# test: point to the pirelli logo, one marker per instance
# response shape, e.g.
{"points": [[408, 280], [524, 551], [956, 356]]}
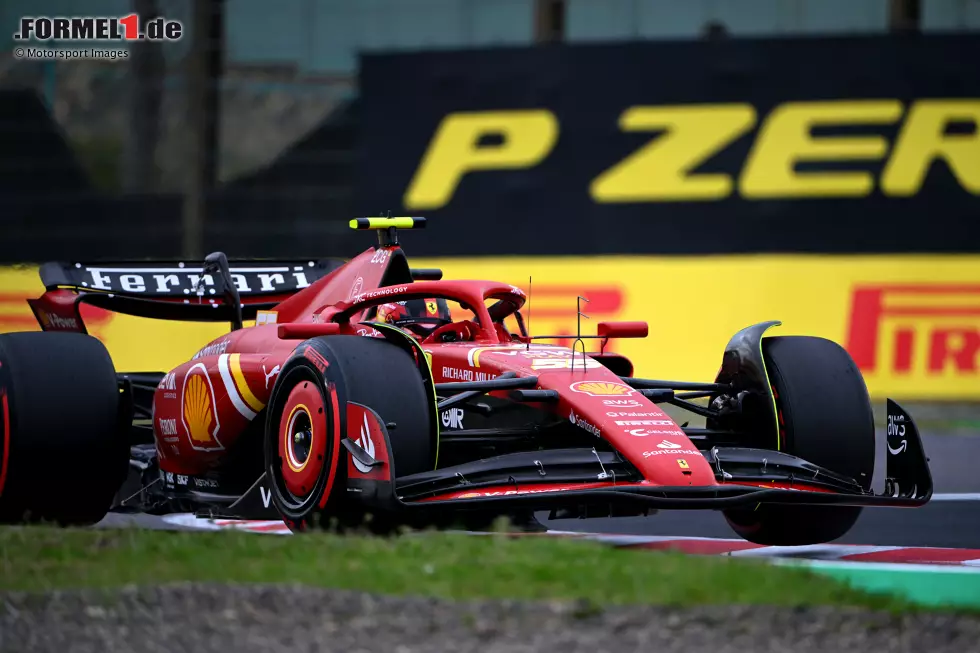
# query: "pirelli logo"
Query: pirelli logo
{"points": [[825, 149], [914, 328]]}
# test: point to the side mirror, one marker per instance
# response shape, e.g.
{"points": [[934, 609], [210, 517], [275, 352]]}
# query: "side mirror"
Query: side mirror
{"points": [[623, 329]]}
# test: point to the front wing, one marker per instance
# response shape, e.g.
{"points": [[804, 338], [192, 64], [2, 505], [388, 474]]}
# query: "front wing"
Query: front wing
{"points": [[746, 477]]}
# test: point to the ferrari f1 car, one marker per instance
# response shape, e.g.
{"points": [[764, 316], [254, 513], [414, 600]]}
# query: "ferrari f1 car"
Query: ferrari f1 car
{"points": [[358, 392]]}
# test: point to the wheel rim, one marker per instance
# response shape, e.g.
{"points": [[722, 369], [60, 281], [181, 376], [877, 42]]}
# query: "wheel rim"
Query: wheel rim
{"points": [[299, 438], [302, 440]]}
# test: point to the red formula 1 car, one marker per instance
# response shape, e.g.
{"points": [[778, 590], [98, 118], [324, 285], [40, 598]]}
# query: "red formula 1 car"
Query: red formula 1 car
{"points": [[368, 387]]}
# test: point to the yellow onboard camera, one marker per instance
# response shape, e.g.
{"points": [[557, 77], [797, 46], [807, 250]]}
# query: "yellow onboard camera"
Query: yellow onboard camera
{"points": [[386, 227]]}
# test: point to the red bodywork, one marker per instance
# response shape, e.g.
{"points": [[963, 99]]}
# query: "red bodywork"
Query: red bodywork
{"points": [[202, 406]]}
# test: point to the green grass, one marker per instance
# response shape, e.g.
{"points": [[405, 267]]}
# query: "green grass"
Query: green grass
{"points": [[437, 564]]}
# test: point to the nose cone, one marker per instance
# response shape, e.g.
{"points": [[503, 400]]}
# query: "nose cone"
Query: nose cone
{"points": [[656, 445], [639, 429]]}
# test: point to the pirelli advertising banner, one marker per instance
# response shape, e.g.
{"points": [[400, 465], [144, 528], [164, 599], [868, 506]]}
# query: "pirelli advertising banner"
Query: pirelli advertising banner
{"points": [[912, 323], [845, 145]]}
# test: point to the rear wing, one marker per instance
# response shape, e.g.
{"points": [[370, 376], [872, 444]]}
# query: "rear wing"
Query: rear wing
{"points": [[169, 290]]}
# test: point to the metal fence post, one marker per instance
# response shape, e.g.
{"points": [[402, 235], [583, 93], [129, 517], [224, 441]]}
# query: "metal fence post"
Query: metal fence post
{"points": [[145, 87], [204, 70]]}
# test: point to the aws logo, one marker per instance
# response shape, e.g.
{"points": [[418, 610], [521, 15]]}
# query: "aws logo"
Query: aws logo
{"points": [[788, 142]]}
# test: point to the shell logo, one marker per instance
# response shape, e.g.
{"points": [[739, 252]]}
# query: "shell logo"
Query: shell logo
{"points": [[602, 388], [199, 416], [470, 495]]}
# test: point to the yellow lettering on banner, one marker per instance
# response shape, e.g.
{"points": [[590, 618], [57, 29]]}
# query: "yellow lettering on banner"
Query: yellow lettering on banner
{"points": [[786, 139], [456, 149], [923, 139], [661, 170]]}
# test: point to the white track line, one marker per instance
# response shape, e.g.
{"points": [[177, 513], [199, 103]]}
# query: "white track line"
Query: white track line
{"points": [[813, 551], [876, 566], [956, 496]]}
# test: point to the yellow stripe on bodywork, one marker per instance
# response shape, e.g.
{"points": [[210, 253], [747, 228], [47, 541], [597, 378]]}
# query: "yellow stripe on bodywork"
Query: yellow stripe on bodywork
{"points": [[475, 356], [235, 364]]}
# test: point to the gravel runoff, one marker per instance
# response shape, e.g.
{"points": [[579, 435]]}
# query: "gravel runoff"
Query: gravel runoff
{"points": [[270, 619]]}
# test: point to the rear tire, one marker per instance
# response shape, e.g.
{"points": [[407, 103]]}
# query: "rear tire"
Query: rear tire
{"points": [[367, 371], [63, 455], [827, 420]]}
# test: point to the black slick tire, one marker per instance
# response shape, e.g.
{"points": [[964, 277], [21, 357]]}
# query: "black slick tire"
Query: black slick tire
{"points": [[63, 453], [827, 419]]}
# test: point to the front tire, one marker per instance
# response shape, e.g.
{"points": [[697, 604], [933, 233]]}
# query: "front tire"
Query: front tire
{"points": [[307, 467], [63, 453], [826, 419]]}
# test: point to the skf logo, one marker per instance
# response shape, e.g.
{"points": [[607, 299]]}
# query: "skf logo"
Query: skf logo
{"points": [[685, 137], [932, 328], [199, 416]]}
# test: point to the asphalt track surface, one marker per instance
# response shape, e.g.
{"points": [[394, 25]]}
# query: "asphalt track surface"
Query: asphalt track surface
{"points": [[947, 521]]}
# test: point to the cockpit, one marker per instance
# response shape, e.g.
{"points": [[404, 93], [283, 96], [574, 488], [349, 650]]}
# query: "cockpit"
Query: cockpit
{"points": [[445, 312]]}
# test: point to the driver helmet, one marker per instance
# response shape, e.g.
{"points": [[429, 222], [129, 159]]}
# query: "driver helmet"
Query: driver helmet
{"points": [[420, 316]]}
